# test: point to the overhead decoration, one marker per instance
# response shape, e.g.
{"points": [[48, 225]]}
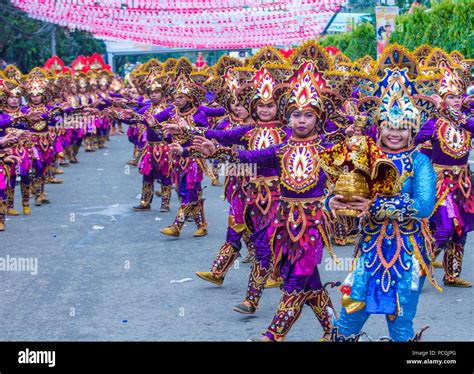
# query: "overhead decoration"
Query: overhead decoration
{"points": [[210, 24]]}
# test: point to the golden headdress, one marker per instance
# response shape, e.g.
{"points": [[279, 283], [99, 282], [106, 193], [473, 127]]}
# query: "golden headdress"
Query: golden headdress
{"points": [[455, 77], [311, 51], [36, 83], [12, 73]]}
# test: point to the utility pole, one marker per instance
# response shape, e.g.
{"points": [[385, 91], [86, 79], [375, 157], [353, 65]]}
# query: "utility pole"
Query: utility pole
{"points": [[53, 41]]}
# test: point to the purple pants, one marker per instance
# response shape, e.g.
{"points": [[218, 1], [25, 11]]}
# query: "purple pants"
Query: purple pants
{"points": [[293, 282], [445, 230]]}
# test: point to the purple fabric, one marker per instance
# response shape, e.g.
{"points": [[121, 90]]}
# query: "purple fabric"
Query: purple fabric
{"points": [[445, 230], [428, 132], [292, 281], [212, 112]]}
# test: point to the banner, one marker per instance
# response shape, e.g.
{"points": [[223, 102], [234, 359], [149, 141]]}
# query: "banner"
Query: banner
{"points": [[210, 24], [385, 21]]}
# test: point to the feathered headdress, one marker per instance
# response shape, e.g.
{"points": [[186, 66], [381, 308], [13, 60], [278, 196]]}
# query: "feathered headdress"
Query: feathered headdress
{"points": [[105, 77], [455, 74], [81, 80], [155, 82]]}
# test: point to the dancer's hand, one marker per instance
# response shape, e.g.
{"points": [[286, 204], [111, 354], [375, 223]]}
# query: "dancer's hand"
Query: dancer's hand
{"points": [[176, 149], [205, 146], [361, 204], [170, 129], [8, 139], [34, 116], [437, 99], [337, 202], [149, 120], [12, 159]]}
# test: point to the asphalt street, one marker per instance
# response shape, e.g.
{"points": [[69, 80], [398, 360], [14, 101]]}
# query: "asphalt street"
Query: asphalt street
{"points": [[105, 273]]}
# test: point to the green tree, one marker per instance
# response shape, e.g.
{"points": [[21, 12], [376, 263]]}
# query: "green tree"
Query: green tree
{"points": [[356, 44], [26, 42], [448, 25]]}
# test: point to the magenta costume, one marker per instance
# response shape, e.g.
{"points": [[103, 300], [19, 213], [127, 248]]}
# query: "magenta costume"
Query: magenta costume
{"points": [[450, 136], [298, 233], [262, 200], [154, 162], [187, 173]]}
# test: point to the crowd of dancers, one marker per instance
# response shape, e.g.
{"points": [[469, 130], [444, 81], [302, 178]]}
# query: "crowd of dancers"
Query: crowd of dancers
{"points": [[315, 149]]}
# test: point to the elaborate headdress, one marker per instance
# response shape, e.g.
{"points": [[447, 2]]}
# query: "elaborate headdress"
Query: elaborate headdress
{"points": [[452, 83], [264, 56], [310, 90], [234, 89], [12, 73], [397, 107], [96, 62], [81, 80], [93, 78], [9, 88], [152, 66], [169, 65], [54, 64], [311, 51], [364, 65], [270, 85], [36, 83], [397, 92], [64, 81], [105, 77], [306, 91], [182, 82], [155, 82], [138, 80], [421, 53], [80, 64], [342, 63], [455, 73], [224, 63]]}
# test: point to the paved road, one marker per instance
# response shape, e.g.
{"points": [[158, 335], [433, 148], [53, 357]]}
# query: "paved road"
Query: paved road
{"points": [[106, 273]]}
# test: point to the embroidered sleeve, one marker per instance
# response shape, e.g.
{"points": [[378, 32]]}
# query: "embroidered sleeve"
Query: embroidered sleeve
{"points": [[424, 185]]}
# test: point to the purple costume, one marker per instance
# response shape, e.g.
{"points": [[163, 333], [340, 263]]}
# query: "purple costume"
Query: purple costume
{"points": [[261, 201], [450, 136], [187, 172], [297, 229]]}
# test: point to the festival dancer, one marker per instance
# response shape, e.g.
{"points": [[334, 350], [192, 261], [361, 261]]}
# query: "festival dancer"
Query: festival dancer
{"points": [[6, 158], [13, 123], [135, 131], [393, 255], [449, 132], [263, 189], [155, 162], [83, 119], [236, 99], [188, 173], [298, 235], [43, 153]]}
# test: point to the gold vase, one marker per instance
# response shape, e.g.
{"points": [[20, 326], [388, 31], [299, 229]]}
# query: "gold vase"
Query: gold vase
{"points": [[348, 186]]}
